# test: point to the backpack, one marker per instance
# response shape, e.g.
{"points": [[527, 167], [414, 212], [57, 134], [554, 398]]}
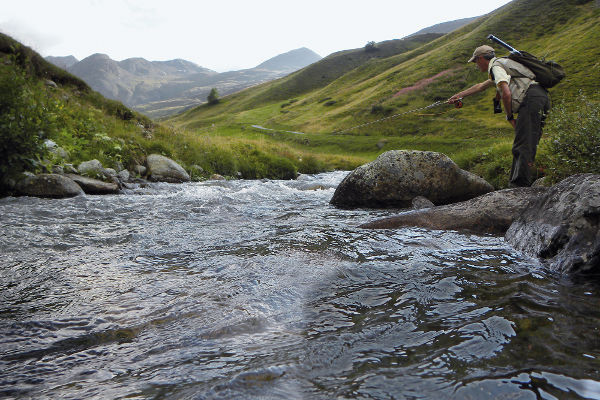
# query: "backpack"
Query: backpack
{"points": [[547, 73]]}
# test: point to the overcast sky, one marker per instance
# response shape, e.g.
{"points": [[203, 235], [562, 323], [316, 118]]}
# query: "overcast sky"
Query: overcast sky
{"points": [[222, 35]]}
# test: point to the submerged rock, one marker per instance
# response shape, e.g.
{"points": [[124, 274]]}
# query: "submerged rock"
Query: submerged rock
{"points": [[94, 186], [491, 213], [163, 169], [563, 226], [396, 177], [48, 185]]}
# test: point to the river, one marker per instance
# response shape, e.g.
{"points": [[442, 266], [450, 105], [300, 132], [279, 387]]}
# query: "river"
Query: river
{"points": [[261, 289]]}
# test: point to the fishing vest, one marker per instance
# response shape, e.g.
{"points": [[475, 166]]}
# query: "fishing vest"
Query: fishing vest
{"points": [[521, 78]]}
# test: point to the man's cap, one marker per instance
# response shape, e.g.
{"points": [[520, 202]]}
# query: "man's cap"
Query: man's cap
{"points": [[480, 51]]}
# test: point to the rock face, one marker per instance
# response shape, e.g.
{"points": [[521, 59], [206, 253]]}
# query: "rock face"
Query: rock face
{"points": [[491, 213], [94, 186], [398, 176], [48, 185], [163, 169], [563, 226]]}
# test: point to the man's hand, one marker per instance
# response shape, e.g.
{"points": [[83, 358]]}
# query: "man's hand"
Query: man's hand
{"points": [[454, 99]]}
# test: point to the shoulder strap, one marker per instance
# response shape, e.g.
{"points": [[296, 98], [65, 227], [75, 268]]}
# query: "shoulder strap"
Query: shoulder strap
{"points": [[495, 63]]}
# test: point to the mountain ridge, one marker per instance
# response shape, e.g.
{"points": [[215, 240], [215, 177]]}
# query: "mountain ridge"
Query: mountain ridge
{"points": [[146, 85]]}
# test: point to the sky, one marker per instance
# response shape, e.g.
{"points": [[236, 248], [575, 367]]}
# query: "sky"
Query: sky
{"points": [[223, 35]]}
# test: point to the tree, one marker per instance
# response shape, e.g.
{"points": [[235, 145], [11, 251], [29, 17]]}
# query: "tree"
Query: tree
{"points": [[371, 46], [213, 96]]}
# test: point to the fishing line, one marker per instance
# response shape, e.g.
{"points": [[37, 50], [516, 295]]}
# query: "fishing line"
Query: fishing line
{"points": [[458, 104]]}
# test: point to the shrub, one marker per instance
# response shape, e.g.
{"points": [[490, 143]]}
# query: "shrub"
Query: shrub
{"points": [[572, 141], [27, 117]]}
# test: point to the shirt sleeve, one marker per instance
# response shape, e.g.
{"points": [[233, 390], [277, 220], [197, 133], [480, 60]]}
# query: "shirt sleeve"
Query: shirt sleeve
{"points": [[500, 75]]}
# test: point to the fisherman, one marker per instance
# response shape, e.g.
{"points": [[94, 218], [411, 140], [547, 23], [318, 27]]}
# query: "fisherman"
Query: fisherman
{"points": [[520, 93]]}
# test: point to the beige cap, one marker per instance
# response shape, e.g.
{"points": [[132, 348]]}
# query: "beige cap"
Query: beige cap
{"points": [[480, 51]]}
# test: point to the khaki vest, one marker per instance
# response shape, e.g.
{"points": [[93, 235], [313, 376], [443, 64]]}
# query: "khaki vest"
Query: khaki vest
{"points": [[521, 78]]}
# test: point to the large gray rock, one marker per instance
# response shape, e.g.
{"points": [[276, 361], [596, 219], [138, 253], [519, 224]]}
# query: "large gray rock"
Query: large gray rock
{"points": [[163, 169], [562, 227], [398, 176], [48, 185], [491, 213], [94, 186]]}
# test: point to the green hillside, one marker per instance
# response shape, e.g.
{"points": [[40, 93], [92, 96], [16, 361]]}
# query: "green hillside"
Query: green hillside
{"points": [[563, 30]]}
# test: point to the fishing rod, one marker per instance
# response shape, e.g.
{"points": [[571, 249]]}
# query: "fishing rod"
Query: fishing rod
{"points": [[457, 104], [504, 44]]}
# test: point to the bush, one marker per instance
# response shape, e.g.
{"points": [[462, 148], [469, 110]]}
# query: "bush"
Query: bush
{"points": [[27, 117], [572, 141]]}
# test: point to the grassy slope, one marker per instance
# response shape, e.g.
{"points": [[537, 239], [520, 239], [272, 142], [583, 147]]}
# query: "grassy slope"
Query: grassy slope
{"points": [[564, 30]]}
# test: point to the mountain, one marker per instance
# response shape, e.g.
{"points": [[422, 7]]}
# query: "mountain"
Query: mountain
{"points": [[63, 62], [445, 27], [290, 61], [135, 80], [159, 88]]}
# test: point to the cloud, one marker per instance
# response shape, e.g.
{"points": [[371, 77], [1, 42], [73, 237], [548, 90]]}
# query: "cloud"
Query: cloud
{"points": [[20, 30]]}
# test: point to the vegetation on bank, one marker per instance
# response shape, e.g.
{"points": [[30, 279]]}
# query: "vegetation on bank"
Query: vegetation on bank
{"points": [[41, 102]]}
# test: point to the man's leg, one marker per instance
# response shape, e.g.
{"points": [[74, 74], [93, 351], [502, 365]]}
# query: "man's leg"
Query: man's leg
{"points": [[527, 135]]}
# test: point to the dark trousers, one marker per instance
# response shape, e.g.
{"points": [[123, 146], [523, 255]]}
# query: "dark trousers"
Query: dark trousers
{"points": [[528, 132]]}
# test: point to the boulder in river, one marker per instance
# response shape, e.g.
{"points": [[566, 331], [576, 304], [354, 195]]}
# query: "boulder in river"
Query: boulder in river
{"points": [[398, 176], [163, 169], [562, 227], [94, 186], [48, 185], [491, 213]]}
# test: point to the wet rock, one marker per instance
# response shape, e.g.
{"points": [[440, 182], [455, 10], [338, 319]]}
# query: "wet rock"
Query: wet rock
{"points": [[163, 169], [48, 185], [94, 186], [562, 227], [491, 213], [396, 177]]}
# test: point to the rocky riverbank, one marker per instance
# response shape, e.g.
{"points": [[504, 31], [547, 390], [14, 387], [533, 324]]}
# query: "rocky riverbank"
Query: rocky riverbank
{"points": [[91, 177], [559, 225]]}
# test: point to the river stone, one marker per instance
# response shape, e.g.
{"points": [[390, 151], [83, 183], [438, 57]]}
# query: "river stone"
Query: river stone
{"points": [[123, 175], [562, 227], [163, 169], [420, 202], [398, 176], [139, 170], [94, 186], [48, 185], [92, 168], [491, 213]]}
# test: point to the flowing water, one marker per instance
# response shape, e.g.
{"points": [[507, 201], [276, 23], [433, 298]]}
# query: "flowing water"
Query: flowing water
{"points": [[261, 289]]}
